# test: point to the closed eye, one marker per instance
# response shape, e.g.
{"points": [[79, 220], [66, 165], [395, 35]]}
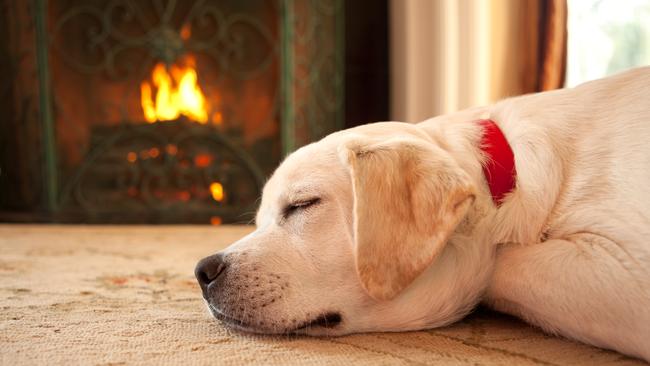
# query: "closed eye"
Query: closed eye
{"points": [[294, 207]]}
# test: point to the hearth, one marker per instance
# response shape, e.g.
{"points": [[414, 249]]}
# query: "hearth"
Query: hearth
{"points": [[160, 111]]}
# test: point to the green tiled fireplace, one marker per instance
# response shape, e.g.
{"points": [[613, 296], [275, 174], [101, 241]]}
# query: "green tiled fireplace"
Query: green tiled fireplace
{"points": [[160, 110]]}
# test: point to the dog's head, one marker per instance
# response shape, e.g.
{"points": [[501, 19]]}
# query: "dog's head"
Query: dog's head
{"points": [[357, 232]]}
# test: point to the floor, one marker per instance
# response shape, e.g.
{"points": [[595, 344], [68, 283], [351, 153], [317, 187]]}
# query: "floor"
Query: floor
{"points": [[126, 295]]}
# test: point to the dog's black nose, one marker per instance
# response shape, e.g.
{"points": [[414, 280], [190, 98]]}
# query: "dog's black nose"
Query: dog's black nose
{"points": [[208, 269]]}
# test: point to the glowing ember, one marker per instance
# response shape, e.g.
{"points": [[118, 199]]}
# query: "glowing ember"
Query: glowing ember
{"points": [[171, 149], [217, 191], [184, 196], [177, 93], [186, 32], [217, 118], [203, 160], [154, 152]]}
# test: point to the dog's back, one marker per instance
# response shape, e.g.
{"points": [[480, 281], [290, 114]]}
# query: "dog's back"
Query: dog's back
{"points": [[597, 137], [583, 165]]}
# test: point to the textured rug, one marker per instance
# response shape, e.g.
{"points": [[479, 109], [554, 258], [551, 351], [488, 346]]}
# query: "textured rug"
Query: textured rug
{"points": [[118, 295]]}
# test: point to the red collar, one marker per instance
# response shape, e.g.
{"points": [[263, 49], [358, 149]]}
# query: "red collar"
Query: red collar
{"points": [[499, 167]]}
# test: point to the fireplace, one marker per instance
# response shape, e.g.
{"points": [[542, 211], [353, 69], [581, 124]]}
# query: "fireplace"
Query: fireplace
{"points": [[160, 111]]}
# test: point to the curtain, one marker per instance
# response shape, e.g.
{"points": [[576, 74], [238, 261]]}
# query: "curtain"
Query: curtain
{"points": [[553, 34], [448, 55]]}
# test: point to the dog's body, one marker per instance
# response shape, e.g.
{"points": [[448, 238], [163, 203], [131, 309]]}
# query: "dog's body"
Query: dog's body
{"points": [[391, 226]]}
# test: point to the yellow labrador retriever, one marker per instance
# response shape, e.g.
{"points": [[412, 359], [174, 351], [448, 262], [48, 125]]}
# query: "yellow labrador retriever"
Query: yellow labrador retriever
{"points": [[538, 206]]}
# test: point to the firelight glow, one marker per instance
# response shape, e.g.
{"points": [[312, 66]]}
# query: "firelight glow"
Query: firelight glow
{"points": [[177, 93], [217, 191]]}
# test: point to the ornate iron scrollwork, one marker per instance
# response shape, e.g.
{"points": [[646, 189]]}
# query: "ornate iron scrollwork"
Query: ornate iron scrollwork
{"points": [[169, 184], [115, 26]]}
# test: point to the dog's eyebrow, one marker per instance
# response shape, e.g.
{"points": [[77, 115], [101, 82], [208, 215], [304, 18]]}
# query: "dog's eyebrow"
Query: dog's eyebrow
{"points": [[300, 193]]}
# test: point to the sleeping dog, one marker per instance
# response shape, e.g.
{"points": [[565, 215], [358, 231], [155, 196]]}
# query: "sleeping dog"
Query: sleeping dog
{"points": [[538, 206]]}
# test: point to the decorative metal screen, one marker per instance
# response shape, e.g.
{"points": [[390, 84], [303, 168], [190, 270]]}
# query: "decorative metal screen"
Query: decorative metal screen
{"points": [[162, 111]]}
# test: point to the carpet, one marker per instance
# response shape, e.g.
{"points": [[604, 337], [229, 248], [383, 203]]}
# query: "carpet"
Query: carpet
{"points": [[125, 295]]}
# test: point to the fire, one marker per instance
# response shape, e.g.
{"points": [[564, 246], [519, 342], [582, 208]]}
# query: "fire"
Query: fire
{"points": [[177, 93], [217, 191]]}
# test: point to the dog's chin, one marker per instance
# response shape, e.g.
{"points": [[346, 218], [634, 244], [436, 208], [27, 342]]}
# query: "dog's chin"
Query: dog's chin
{"points": [[236, 324], [326, 324]]}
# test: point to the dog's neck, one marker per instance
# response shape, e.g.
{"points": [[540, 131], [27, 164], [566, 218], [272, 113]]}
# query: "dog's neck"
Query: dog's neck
{"points": [[514, 220], [499, 165]]}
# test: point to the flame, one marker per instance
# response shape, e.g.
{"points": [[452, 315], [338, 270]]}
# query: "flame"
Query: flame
{"points": [[177, 93], [217, 191]]}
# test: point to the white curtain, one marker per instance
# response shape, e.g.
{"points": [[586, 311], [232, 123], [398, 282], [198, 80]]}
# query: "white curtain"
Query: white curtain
{"points": [[448, 55]]}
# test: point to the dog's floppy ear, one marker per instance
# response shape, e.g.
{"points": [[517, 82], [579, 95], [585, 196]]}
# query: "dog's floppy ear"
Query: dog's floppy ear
{"points": [[409, 196]]}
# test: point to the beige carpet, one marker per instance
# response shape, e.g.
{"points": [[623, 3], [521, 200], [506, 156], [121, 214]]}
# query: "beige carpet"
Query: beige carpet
{"points": [[126, 295]]}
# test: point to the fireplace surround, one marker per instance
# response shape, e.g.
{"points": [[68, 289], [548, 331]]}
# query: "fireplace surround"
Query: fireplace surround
{"points": [[160, 111]]}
